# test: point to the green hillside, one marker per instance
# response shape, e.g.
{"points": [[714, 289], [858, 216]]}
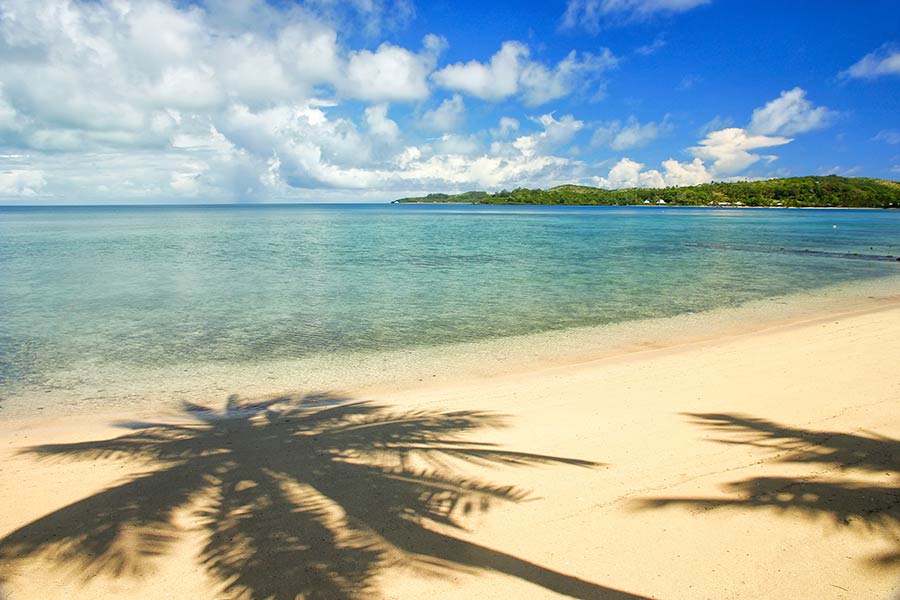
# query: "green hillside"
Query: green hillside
{"points": [[465, 198], [829, 190]]}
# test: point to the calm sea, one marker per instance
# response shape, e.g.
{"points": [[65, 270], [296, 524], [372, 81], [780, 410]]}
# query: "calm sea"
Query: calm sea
{"points": [[97, 304]]}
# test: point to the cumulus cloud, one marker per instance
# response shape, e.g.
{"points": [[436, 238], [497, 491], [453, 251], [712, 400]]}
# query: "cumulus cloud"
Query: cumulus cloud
{"points": [[124, 67], [883, 61], [510, 71], [505, 127], [391, 72], [630, 134], [628, 173], [789, 114], [555, 133], [312, 148], [461, 161], [447, 116], [253, 100], [728, 150], [379, 124], [592, 15], [494, 80], [722, 153], [685, 173]]}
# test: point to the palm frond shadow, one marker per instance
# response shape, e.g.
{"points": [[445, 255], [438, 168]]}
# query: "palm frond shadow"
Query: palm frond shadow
{"points": [[873, 507], [308, 496]]}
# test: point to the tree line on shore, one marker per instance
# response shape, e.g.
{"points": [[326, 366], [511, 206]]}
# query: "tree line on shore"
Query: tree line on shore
{"points": [[823, 191]]}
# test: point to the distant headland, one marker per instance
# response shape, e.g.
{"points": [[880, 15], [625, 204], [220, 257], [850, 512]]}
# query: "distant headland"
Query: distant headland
{"points": [[814, 191]]}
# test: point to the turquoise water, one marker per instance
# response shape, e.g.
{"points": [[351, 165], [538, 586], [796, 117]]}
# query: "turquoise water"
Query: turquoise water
{"points": [[98, 292]]}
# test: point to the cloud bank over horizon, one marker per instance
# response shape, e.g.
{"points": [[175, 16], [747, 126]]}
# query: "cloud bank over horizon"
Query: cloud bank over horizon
{"points": [[152, 100]]}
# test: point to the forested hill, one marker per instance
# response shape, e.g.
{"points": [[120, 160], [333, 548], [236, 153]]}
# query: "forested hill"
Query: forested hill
{"points": [[829, 190]]}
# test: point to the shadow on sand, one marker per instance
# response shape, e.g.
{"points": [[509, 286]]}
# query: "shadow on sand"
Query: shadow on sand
{"points": [[307, 497], [872, 505]]}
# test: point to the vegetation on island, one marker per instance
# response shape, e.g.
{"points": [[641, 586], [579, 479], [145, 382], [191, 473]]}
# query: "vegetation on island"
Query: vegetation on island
{"points": [[830, 190], [463, 198]]}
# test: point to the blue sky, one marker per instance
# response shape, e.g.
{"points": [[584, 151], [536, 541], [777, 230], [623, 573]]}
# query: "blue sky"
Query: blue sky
{"points": [[118, 101]]}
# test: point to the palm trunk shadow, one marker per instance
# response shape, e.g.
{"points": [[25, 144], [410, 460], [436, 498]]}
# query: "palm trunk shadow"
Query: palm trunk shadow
{"points": [[455, 551]]}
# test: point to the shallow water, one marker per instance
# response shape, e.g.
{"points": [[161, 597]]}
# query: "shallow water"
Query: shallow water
{"points": [[98, 303]]}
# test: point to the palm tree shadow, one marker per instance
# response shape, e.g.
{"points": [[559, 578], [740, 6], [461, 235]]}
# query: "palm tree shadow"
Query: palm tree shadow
{"points": [[873, 507], [309, 497]]}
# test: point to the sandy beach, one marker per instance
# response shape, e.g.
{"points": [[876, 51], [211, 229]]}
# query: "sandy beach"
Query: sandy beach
{"points": [[759, 465]]}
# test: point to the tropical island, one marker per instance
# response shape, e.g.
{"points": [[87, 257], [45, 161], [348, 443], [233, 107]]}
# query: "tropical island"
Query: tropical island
{"points": [[813, 191]]}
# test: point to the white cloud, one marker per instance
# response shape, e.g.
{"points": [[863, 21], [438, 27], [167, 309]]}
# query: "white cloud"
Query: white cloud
{"points": [[446, 117], [722, 153], [685, 173], [495, 80], [888, 136], [505, 127], [391, 72], [313, 149], [510, 72], [631, 134], [488, 171], [119, 65], [217, 100], [21, 182], [186, 182], [182, 87], [541, 84], [592, 15], [728, 150], [883, 61], [309, 52], [628, 173], [556, 133], [379, 124], [789, 114]]}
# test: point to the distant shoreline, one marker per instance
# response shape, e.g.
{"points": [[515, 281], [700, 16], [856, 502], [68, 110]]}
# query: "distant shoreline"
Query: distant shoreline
{"points": [[706, 206], [828, 191]]}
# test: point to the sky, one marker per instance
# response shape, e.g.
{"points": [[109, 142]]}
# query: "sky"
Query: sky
{"points": [[217, 101]]}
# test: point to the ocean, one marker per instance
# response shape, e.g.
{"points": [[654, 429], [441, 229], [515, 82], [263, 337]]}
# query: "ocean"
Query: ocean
{"points": [[117, 307]]}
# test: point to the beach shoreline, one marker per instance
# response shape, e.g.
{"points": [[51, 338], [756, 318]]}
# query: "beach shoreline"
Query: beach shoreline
{"points": [[753, 424], [149, 391]]}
